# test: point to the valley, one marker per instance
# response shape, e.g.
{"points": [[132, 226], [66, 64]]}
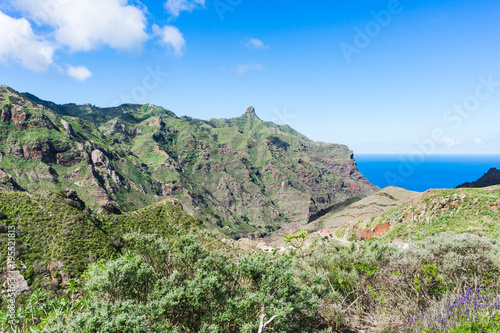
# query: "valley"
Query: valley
{"points": [[131, 219]]}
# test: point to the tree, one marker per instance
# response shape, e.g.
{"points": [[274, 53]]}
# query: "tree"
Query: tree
{"points": [[296, 240]]}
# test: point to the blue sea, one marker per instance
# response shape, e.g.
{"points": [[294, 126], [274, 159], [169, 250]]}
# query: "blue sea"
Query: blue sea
{"points": [[420, 173]]}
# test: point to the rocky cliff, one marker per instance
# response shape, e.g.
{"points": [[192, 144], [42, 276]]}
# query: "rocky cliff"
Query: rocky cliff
{"points": [[492, 177], [243, 173]]}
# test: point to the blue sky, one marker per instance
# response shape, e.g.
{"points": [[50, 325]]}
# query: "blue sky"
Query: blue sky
{"points": [[379, 76]]}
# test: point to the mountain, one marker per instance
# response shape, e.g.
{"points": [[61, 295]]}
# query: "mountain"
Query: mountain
{"points": [[465, 210], [492, 177], [243, 174]]}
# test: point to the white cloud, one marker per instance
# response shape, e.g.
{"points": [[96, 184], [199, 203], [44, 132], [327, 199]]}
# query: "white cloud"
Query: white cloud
{"points": [[449, 141], [478, 141], [84, 25], [254, 43], [176, 7], [242, 69], [80, 73], [19, 43], [171, 38]]}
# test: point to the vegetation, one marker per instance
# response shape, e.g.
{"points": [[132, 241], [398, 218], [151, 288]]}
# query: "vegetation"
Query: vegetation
{"points": [[167, 285], [154, 268], [381, 285], [43, 309], [243, 173], [296, 240], [56, 241], [468, 210], [470, 312], [195, 283]]}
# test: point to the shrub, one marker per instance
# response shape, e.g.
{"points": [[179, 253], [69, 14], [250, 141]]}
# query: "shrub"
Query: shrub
{"points": [[388, 284], [184, 285]]}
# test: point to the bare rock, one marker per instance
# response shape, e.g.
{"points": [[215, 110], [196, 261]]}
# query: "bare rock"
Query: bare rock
{"points": [[73, 200], [6, 114], [18, 116], [110, 208], [99, 160], [68, 128], [19, 282], [44, 172], [250, 112]]}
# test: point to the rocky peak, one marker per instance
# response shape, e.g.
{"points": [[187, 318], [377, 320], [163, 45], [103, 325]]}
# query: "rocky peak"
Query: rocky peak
{"points": [[250, 112]]}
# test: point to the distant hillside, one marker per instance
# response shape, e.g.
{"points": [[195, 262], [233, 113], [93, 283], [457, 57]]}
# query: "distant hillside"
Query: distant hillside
{"points": [[349, 213], [57, 236], [241, 173], [492, 177], [475, 211]]}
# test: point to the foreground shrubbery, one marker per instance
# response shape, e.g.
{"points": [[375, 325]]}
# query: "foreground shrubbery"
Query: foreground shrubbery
{"points": [[194, 284], [44, 309], [182, 286], [470, 312], [381, 285]]}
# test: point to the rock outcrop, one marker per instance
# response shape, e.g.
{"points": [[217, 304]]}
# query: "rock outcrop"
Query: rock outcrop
{"points": [[250, 112], [492, 177], [68, 128]]}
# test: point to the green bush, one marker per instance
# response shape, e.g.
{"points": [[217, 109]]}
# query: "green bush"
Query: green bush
{"points": [[184, 286]]}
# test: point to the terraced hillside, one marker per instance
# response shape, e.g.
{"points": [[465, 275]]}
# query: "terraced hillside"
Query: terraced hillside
{"points": [[242, 173]]}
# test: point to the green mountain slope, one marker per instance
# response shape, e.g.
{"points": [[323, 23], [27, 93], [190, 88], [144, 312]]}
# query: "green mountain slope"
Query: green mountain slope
{"points": [[242, 173], [57, 237]]}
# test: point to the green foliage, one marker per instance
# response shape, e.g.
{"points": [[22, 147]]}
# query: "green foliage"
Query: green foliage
{"points": [[181, 285], [365, 268], [297, 239], [43, 310], [51, 231], [457, 210]]}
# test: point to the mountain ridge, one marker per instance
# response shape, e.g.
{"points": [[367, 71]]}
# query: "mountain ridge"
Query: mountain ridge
{"points": [[241, 173]]}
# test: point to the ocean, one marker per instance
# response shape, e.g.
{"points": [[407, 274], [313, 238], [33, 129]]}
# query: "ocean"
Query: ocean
{"points": [[420, 173]]}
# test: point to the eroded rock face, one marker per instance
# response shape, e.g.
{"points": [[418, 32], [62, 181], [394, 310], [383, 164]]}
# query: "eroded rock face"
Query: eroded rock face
{"points": [[99, 160], [19, 116], [19, 282], [110, 208], [68, 128], [363, 234], [250, 112], [68, 158], [5, 114], [3, 174], [54, 267], [44, 172], [72, 199]]}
